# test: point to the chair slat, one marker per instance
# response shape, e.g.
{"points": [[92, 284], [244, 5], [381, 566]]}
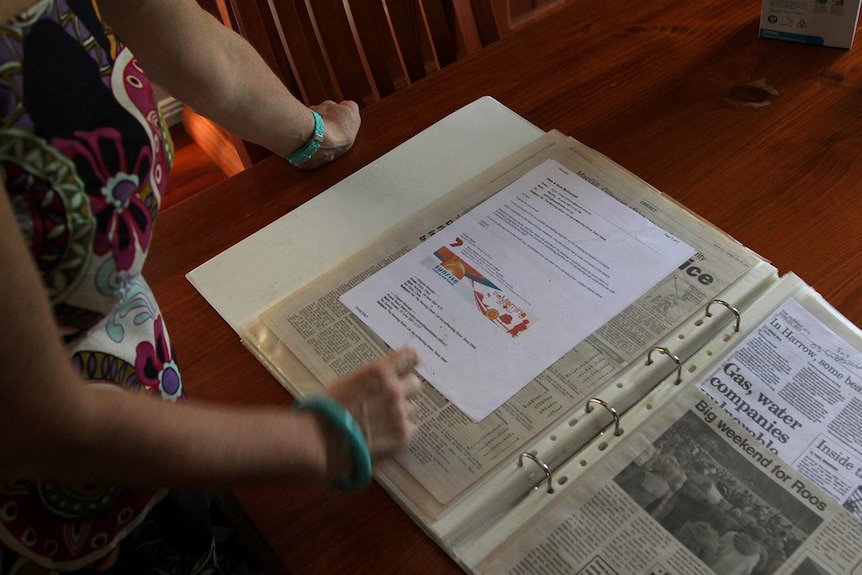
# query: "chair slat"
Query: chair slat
{"points": [[378, 45], [440, 21], [405, 16], [298, 40]]}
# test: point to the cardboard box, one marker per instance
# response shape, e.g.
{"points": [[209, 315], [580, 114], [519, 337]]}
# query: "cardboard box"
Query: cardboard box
{"points": [[818, 22]]}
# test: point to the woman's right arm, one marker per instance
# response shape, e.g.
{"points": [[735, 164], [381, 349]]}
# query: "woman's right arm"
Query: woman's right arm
{"points": [[54, 427]]}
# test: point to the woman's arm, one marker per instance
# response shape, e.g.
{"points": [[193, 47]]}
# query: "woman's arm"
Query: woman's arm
{"points": [[206, 65], [55, 427]]}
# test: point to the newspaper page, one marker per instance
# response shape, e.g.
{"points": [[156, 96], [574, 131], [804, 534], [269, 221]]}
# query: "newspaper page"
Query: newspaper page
{"points": [[689, 492], [450, 452], [796, 386]]}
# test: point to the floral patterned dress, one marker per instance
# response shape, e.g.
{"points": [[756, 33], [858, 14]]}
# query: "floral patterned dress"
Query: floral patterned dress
{"points": [[85, 156]]}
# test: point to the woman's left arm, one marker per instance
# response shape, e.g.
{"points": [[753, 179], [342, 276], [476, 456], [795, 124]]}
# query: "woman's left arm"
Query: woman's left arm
{"points": [[220, 75]]}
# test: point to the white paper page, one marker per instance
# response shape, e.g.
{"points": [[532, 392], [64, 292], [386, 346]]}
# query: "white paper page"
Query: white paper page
{"points": [[507, 289], [797, 387]]}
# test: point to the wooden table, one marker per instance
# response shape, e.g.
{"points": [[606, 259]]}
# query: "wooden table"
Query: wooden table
{"points": [[761, 137]]}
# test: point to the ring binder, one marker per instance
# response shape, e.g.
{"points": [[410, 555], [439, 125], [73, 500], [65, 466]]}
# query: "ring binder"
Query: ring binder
{"points": [[668, 353], [728, 306], [541, 464], [611, 410]]}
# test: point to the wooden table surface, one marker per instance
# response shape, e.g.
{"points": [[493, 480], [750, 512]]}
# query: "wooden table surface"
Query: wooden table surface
{"points": [[761, 137]]}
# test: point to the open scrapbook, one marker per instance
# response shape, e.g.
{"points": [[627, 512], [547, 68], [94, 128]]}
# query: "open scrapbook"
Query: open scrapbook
{"points": [[639, 449]]}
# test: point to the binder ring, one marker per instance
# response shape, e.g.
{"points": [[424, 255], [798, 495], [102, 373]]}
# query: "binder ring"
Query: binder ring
{"points": [[541, 464], [667, 352], [728, 306], [611, 410]]}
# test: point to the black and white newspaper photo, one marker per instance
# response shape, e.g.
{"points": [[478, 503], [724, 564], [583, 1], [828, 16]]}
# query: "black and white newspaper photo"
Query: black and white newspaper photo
{"points": [[690, 491]]}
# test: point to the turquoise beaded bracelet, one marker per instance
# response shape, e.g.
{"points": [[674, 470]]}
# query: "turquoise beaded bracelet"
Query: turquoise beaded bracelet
{"points": [[307, 150], [335, 414]]}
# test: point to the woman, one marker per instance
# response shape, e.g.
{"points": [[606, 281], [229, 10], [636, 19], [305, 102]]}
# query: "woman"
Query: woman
{"points": [[85, 158]]}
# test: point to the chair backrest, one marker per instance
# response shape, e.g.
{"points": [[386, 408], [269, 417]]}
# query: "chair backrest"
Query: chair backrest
{"points": [[361, 50]]}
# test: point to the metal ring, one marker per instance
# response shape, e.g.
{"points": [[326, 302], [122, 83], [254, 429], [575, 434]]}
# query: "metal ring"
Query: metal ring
{"points": [[728, 306], [667, 352], [611, 410], [541, 464]]}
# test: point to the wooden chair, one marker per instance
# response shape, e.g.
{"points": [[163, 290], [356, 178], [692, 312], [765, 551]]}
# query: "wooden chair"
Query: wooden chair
{"points": [[362, 50]]}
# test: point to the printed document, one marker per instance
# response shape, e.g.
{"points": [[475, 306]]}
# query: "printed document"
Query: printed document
{"points": [[514, 284]]}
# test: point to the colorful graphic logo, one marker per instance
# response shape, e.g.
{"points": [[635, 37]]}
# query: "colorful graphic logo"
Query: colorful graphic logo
{"points": [[489, 299]]}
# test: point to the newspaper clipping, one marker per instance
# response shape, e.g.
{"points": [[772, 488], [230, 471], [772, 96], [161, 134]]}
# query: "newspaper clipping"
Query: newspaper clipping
{"points": [[797, 388]]}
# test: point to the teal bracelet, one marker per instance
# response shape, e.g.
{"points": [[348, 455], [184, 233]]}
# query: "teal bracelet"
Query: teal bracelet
{"points": [[332, 412], [307, 150]]}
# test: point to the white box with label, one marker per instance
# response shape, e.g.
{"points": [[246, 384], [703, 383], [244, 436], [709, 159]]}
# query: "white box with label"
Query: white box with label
{"points": [[818, 22]]}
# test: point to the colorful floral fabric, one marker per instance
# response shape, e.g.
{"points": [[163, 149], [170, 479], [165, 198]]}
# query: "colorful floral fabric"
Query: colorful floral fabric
{"points": [[85, 155]]}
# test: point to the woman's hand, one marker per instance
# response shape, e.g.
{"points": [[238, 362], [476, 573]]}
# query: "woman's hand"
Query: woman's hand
{"points": [[379, 397], [341, 124]]}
